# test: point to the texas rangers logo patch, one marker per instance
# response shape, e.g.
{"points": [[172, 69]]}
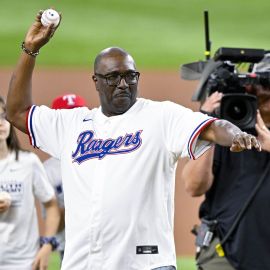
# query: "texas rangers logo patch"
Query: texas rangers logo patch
{"points": [[89, 147]]}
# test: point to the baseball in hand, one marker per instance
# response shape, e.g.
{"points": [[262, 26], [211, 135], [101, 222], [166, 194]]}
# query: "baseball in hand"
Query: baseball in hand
{"points": [[5, 197], [50, 16]]}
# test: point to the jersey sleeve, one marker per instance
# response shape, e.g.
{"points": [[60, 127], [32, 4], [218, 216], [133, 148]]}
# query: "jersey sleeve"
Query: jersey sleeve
{"points": [[46, 129], [43, 190], [182, 128]]}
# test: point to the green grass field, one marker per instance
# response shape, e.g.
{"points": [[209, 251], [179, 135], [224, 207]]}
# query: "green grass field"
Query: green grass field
{"points": [[159, 34], [183, 263]]}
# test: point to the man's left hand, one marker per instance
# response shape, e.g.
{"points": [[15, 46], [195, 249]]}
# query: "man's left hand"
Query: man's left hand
{"points": [[243, 140]]}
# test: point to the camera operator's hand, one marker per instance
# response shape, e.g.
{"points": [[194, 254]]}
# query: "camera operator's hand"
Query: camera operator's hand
{"points": [[263, 133], [212, 102], [243, 140]]}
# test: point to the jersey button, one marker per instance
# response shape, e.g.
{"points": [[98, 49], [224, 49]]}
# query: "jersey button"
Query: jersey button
{"points": [[96, 247]]}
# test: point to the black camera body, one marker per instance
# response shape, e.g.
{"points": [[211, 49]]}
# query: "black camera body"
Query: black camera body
{"points": [[225, 73], [222, 73]]}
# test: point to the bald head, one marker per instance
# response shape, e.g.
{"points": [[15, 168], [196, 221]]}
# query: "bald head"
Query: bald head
{"points": [[113, 53], [116, 80]]}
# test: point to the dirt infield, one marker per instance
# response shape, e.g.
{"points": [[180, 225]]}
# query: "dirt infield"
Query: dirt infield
{"points": [[155, 85]]}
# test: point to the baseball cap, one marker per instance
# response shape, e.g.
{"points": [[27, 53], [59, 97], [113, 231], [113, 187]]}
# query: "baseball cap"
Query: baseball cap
{"points": [[68, 101]]}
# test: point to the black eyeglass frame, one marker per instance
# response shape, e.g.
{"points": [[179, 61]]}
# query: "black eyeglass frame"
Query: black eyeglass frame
{"points": [[122, 75]]}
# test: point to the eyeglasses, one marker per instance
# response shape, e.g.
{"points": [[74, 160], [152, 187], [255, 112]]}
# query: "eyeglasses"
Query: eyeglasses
{"points": [[114, 79]]}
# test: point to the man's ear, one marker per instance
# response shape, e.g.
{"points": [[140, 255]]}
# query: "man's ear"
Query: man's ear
{"points": [[94, 78]]}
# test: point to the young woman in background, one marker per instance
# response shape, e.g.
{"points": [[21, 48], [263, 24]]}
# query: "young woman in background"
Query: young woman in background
{"points": [[22, 178]]}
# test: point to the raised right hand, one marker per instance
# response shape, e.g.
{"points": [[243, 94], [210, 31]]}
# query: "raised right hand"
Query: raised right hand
{"points": [[38, 35]]}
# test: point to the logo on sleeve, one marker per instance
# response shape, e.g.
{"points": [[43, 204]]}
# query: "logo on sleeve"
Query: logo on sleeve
{"points": [[89, 147]]}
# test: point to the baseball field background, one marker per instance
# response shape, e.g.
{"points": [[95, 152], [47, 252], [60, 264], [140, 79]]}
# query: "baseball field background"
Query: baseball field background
{"points": [[161, 35]]}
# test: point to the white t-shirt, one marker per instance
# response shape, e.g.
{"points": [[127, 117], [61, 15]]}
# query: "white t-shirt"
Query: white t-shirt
{"points": [[53, 170], [24, 180], [119, 178]]}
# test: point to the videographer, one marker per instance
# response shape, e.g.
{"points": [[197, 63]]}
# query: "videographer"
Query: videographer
{"points": [[234, 231]]}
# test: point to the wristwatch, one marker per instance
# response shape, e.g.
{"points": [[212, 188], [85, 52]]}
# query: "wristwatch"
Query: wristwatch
{"points": [[49, 240]]}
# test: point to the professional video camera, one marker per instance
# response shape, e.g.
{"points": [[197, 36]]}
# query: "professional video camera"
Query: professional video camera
{"points": [[230, 71]]}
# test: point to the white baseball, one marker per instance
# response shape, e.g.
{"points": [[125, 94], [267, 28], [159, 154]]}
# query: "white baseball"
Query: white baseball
{"points": [[5, 196], [50, 16]]}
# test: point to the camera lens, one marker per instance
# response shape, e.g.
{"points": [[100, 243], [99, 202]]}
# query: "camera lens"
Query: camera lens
{"points": [[237, 109], [240, 109]]}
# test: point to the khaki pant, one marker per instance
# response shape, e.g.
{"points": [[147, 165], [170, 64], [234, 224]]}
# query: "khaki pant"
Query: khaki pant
{"points": [[208, 259]]}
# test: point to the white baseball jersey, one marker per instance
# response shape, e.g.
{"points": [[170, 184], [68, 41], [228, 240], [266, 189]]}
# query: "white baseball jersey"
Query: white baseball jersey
{"points": [[119, 179], [19, 236], [53, 170]]}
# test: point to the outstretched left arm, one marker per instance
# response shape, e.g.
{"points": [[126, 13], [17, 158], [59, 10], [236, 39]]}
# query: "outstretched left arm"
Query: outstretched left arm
{"points": [[224, 133]]}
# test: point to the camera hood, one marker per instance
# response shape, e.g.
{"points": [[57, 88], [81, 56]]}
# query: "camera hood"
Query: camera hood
{"points": [[192, 71], [210, 66]]}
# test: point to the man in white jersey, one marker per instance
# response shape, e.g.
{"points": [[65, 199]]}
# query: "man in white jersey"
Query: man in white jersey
{"points": [[53, 166], [118, 161]]}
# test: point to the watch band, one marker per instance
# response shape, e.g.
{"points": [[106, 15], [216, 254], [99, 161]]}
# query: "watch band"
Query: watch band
{"points": [[49, 240]]}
